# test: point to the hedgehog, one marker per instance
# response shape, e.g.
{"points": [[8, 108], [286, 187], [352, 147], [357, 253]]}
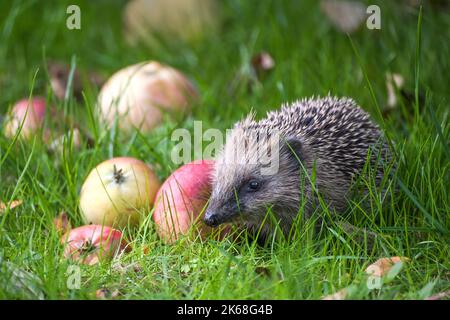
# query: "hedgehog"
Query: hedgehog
{"points": [[282, 163]]}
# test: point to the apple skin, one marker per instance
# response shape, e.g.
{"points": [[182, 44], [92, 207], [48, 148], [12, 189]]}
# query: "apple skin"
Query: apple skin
{"points": [[92, 243], [34, 119], [181, 199], [104, 201], [140, 94], [146, 21]]}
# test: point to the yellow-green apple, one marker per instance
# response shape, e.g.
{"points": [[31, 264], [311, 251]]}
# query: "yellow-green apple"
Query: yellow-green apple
{"points": [[92, 243], [148, 21], [138, 96], [118, 192]]}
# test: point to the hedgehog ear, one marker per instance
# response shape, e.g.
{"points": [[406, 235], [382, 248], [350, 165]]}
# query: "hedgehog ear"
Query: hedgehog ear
{"points": [[294, 148]]}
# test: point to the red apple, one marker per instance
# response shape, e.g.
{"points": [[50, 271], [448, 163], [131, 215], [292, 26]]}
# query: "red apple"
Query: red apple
{"points": [[181, 199], [138, 96], [32, 115], [118, 192], [92, 243]]}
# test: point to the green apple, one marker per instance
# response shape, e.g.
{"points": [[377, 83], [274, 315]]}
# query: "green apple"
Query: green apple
{"points": [[118, 192]]}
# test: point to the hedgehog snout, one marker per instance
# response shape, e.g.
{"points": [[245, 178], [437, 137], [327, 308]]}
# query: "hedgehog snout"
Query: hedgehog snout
{"points": [[211, 219], [215, 218], [215, 215]]}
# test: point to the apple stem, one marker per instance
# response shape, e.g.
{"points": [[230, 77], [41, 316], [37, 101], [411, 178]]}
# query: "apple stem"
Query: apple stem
{"points": [[87, 247], [118, 175]]}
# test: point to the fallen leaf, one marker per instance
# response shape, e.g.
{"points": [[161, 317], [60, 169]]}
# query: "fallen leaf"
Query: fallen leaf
{"points": [[105, 293], [123, 268], [382, 266], [346, 16], [62, 223], [251, 72], [262, 63], [59, 75], [439, 296], [339, 295], [12, 205], [263, 271], [396, 91]]}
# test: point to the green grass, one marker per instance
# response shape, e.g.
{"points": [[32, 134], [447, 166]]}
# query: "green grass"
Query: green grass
{"points": [[311, 58]]}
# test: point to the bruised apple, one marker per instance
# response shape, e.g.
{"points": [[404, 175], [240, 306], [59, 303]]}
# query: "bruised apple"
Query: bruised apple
{"points": [[92, 243], [181, 199], [28, 114], [138, 96], [118, 192]]}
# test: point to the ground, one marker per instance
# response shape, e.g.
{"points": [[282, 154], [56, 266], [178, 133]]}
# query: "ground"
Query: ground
{"points": [[312, 58]]}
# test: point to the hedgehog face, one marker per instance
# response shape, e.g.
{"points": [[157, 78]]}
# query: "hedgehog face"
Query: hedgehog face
{"points": [[246, 185], [239, 192]]}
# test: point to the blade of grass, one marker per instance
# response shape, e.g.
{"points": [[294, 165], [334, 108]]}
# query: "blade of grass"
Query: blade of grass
{"points": [[417, 62]]}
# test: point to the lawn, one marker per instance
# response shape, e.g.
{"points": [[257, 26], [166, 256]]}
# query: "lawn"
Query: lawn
{"points": [[312, 58]]}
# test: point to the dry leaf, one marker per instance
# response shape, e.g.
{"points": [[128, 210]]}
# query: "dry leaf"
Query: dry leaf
{"points": [[347, 16], [394, 83], [263, 271], [62, 223], [262, 63], [251, 72], [123, 268], [339, 295], [439, 296], [105, 293], [59, 75], [382, 266], [12, 205], [146, 249]]}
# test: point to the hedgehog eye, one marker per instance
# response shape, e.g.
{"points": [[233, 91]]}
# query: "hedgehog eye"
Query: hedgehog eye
{"points": [[253, 185]]}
